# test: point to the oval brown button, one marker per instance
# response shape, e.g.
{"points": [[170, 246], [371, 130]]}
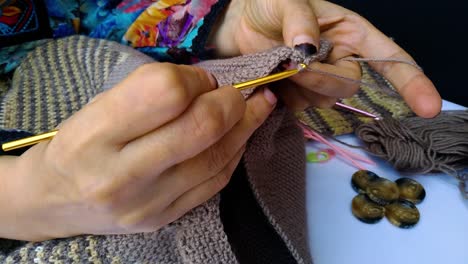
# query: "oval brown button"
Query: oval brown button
{"points": [[361, 179], [366, 210], [411, 190], [382, 191], [402, 213]]}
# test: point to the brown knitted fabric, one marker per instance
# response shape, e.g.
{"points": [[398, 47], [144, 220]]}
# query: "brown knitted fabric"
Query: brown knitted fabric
{"points": [[383, 101], [52, 83], [377, 97], [252, 66], [275, 156], [58, 78]]}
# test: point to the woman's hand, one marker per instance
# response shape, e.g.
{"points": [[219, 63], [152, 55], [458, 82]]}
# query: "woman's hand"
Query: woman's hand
{"points": [[255, 25], [136, 158]]}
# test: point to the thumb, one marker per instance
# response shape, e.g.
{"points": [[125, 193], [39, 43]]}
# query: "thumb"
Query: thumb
{"points": [[300, 26]]}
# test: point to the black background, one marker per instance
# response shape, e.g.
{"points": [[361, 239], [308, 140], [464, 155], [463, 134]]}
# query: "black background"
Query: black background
{"points": [[433, 32]]}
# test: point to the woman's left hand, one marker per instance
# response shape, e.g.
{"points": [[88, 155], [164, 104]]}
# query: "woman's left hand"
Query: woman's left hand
{"points": [[256, 25]]}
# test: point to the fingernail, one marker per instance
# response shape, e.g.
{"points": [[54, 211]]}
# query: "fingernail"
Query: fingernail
{"points": [[306, 48], [269, 96], [304, 44]]}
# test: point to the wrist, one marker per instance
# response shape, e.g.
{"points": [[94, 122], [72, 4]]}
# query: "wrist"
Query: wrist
{"points": [[30, 208], [10, 209]]}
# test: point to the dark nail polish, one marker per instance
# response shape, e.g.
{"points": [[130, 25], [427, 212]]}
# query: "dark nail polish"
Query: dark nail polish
{"points": [[306, 48]]}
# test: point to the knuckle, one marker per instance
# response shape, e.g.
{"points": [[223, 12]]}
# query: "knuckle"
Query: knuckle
{"points": [[354, 17], [177, 94], [197, 72], [358, 29], [256, 119], [144, 220], [354, 89], [320, 82], [146, 70], [180, 176], [102, 201], [138, 221], [218, 157], [209, 121], [60, 163], [106, 196], [66, 158], [222, 179], [169, 75], [352, 72], [167, 84], [327, 102], [357, 74], [386, 68], [349, 91], [173, 86], [78, 171]]}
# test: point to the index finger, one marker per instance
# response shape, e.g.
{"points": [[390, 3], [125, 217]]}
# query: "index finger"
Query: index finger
{"points": [[149, 98], [368, 42], [412, 84]]}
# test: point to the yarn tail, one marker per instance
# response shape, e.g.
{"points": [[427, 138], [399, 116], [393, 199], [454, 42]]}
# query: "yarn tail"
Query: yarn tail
{"points": [[348, 156]]}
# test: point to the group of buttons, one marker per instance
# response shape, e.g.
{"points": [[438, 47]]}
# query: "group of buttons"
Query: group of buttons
{"points": [[379, 197]]}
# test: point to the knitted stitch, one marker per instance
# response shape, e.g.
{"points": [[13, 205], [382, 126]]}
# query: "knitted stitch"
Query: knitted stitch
{"points": [[41, 97], [330, 121], [269, 156], [251, 66], [383, 102], [56, 80], [71, 77]]}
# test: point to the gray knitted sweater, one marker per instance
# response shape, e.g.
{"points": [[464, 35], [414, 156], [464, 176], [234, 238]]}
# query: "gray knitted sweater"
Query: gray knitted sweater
{"points": [[74, 70]]}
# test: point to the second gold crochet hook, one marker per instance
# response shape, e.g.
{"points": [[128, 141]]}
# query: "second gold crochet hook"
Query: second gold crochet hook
{"points": [[24, 142]]}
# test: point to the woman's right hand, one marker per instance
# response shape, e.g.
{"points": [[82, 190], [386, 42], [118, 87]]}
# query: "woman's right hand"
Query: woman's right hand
{"points": [[136, 158]]}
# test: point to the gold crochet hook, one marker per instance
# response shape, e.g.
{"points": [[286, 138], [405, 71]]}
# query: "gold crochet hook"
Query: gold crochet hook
{"points": [[24, 142], [270, 78]]}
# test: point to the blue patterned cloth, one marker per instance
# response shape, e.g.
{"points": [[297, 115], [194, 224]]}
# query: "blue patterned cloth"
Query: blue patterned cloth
{"points": [[143, 24]]}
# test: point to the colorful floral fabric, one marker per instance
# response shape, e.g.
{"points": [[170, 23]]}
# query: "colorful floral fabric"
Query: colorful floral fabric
{"points": [[157, 27], [22, 20], [165, 23], [17, 16]]}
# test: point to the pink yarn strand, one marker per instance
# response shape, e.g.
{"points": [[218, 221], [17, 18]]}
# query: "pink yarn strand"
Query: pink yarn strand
{"points": [[348, 156]]}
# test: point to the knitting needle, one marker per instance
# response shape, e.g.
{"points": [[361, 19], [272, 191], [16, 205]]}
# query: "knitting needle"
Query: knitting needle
{"points": [[24, 142], [359, 111]]}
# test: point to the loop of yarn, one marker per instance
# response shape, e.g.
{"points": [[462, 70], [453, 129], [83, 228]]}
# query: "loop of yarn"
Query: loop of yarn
{"points": [[420, 145]]}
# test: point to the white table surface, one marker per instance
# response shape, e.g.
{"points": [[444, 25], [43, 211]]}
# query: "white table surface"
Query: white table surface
{"points": [[337, 237]]}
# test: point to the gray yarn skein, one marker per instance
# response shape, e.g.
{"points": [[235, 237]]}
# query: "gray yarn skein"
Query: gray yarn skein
{"points": [[420, 145]]}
